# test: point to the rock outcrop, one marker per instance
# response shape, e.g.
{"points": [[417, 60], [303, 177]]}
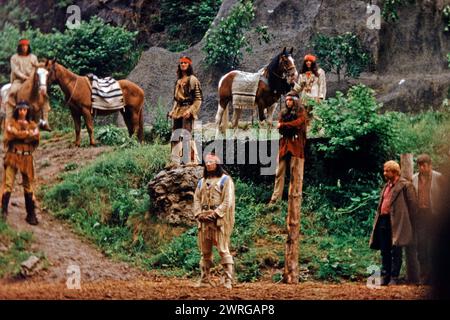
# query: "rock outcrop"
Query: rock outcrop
{"points": [[172, 194]]}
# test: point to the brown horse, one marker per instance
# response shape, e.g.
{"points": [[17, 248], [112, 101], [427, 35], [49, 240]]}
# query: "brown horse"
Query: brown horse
{"points": [[33, 91], [77, 91], [280, 75]]}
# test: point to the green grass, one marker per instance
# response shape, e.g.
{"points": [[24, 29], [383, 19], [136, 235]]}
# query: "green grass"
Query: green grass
{"points": [[103, 199], [14, 249]]}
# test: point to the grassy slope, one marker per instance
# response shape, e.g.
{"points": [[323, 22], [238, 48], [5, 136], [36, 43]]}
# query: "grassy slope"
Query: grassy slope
{"points": [[107, 202], [14, 249]]}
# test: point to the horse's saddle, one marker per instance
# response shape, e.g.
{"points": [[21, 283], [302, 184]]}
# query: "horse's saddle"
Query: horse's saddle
{"points": [[106, 93]]}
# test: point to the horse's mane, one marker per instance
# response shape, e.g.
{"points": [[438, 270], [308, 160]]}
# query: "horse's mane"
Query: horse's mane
{"points": [[275, 83], [34, 95]]}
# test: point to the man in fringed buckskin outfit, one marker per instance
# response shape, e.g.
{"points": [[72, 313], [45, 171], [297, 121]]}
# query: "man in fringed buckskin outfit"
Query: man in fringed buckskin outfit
{"points": [[214, 205]]}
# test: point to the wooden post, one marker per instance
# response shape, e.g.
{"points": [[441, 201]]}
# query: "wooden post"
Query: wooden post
{"points": [[407, 166], [412, 264], [291, 272]]}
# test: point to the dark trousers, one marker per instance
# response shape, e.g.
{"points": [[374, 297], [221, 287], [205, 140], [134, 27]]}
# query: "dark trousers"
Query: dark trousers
{"points": [[424, 238], [391, 256]]}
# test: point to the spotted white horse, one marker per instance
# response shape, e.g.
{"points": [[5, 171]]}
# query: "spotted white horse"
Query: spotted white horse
{"points": [[263, 89]]}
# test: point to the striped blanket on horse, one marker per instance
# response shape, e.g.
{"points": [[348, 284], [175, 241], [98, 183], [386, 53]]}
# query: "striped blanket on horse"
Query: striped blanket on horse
{"points": [[243, 88], [106, 94]]}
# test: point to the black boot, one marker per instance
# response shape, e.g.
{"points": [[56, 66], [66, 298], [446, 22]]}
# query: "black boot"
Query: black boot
{"points": [[29, 205], [5, 202]]}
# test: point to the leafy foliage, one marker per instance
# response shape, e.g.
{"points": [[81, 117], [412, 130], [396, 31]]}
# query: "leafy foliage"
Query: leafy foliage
{"points": [[187, 21], [426, 132], [111, 135], [94, 47], [446, 16], [162, 127], [342, 52], [225, 42], [349, 120], [13, 13], [390, 7]]}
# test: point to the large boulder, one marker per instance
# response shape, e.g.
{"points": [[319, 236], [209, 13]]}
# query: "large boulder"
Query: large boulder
{"points": [[172, 194]]}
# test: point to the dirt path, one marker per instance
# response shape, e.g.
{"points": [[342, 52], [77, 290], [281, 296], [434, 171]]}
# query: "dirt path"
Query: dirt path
{"points": [[169, 288], [54, 238], [102, 278]]}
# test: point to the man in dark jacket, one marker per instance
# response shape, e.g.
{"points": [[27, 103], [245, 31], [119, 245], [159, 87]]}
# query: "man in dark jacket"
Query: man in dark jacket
{"points": [[392, 227]]}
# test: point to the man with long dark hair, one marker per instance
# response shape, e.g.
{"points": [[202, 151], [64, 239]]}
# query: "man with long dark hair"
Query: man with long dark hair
{"points": [[214, 205], [311, 82], [187, 102], [23, 63], [291, 154], [20, 139]]}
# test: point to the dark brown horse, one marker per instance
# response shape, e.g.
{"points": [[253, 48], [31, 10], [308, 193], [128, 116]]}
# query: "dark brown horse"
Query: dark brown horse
{"points": [[77, 91], [280, 74]]}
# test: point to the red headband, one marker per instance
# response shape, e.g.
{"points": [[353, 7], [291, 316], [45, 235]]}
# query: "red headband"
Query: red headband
{"points": [[310, 57], [212, 157], [186, 59], [24, 42]]}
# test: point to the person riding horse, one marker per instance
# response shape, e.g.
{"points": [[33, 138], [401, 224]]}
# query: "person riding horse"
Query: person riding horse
{"points": [[23, 64]]}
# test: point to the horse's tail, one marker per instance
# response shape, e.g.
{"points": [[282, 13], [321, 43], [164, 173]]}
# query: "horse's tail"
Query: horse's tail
{"points": [[141, 123]]}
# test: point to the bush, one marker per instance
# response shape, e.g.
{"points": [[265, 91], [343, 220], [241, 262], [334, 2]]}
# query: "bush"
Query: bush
{"points": [[188, 24], [342, 52], [112, 135], [225, 42], [389, 11], [162, 126], [426, 132], [354, 123]]}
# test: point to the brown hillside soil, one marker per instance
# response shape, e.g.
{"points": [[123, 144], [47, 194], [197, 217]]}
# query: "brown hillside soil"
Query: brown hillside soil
{"points": [[103, 278]]}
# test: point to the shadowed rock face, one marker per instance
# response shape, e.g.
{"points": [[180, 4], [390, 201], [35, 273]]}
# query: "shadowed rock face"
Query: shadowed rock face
{"points": [[172, 194], [412, 49]]}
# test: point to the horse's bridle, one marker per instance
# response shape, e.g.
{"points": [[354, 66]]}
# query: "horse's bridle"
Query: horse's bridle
{"points": [[285, 71]]}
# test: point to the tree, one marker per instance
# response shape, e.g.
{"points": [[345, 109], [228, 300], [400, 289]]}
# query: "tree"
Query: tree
{"points": [[224, 44], [342, 52]]}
